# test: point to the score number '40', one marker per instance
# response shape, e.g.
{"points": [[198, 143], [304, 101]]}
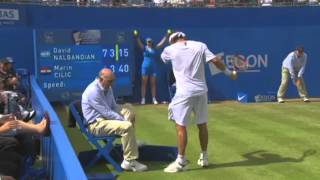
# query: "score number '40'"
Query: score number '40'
{"points": [[122, 68]]}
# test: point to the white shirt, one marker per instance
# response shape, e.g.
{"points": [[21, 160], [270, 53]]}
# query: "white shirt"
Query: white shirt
{"points": [[188, 59], [295, 65]]}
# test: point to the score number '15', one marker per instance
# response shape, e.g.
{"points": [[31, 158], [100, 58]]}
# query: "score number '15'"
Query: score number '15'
{"points": [[115, 52]]}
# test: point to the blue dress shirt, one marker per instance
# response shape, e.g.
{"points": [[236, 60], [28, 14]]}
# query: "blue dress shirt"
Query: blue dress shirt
{"points": [[99, 103], [295, 65]]}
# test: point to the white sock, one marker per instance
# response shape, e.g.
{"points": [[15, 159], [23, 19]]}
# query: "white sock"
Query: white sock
{"points": [[126, 161], [204, 154], [154, 99], [181, 159]]}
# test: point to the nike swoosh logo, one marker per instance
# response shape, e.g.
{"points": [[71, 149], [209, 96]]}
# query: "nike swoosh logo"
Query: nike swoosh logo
{"points": [[240, 98]]}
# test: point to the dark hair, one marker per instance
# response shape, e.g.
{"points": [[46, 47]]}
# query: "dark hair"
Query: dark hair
{"points": [[300, 49]]}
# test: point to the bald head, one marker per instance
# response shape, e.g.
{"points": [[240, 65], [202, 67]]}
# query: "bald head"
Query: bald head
{"points": [[105, 73], [106, 77]]}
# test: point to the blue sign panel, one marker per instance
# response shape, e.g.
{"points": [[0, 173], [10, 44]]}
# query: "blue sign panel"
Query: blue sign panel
{"points": [[12, 16]]}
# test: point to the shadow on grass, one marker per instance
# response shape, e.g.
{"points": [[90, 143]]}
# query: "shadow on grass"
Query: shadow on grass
{"points": [[262, 157]]}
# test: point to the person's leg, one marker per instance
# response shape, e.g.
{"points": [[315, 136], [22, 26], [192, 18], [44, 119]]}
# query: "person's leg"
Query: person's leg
{"points": [[9, 144], [201, 117], [121, 128], [144, 83], [182, 139], [284, 84], [179, 111], [302, 89], [129, 145], [203, 136], [40, 128], [128, 113], [153, 80], [10, 164], [8, 168], [29, 145]]}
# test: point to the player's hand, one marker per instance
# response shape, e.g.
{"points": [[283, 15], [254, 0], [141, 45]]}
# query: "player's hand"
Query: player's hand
{"points": [[233, 75], [135, 33], [169, 32]]}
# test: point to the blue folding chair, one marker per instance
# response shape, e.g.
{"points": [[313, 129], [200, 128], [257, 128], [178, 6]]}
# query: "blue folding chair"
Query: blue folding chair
{"points": [[103, 150]]}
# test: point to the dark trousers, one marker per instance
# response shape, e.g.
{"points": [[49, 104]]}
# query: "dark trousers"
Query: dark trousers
{"points": [[10, 159]]}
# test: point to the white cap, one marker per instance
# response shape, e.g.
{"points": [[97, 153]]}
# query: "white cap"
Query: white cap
{"points": [[176, 35]]}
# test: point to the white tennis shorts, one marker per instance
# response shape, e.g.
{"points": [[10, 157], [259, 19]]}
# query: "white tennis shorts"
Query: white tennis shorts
{"points": [[180, 109]]}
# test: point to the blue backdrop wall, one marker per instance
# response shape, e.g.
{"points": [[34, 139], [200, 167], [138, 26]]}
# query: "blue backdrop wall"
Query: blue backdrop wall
{"points": [[263, 35]]}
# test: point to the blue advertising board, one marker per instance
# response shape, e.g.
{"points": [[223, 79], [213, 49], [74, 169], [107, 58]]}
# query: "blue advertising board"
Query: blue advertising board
{"points": [[12, 16], [68, 60], [261, 39]]}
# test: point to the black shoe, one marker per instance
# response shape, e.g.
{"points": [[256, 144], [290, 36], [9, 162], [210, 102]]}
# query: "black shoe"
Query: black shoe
{"points": [[32, 114], [29, 115]]}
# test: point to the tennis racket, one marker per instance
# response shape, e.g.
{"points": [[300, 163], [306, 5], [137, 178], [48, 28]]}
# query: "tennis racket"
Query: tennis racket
{"points": [[239, 63]]}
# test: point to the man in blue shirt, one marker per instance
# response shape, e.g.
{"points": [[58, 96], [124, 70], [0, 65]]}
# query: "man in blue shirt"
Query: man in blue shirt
{"points": [[104, 117], [294, 66]]}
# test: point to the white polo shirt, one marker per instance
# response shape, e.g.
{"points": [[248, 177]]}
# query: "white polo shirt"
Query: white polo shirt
{"points": [[188, 59]]}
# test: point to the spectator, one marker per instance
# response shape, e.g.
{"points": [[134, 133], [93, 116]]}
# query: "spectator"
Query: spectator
{"points": [[10, 103], [10, 150], [8, 73], [266, 2], [104, 117]]}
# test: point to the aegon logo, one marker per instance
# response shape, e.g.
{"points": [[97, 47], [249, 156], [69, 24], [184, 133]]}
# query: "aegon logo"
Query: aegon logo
{"points": [[255, 62], [9, 14]]}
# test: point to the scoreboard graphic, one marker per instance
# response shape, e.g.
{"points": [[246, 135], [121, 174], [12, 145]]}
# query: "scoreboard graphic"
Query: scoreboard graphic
{"points": [[68, 60]]}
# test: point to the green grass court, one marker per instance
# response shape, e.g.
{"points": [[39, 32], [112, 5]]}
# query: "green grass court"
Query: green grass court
{"points": [[246, 141]]}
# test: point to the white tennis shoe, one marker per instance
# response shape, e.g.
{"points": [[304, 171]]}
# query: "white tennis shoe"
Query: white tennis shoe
{"points": [[305, 99], [133, 165], [280, 100], [154, 100], [203, 160], [175, 167], [143, 101]]}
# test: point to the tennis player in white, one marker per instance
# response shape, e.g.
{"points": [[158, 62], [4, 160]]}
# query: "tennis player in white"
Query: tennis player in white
{"points": [[188, 59]]}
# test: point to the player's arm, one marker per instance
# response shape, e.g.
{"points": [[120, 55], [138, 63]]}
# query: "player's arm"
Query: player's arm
{"points": [[165, 56], [217, 61], [136, 35], [164, 39], [288, 63], [140, 44], [303, 67], [162, 42]]}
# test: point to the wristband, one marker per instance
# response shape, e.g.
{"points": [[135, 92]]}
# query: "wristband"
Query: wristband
{"points": [[227, 72]]}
